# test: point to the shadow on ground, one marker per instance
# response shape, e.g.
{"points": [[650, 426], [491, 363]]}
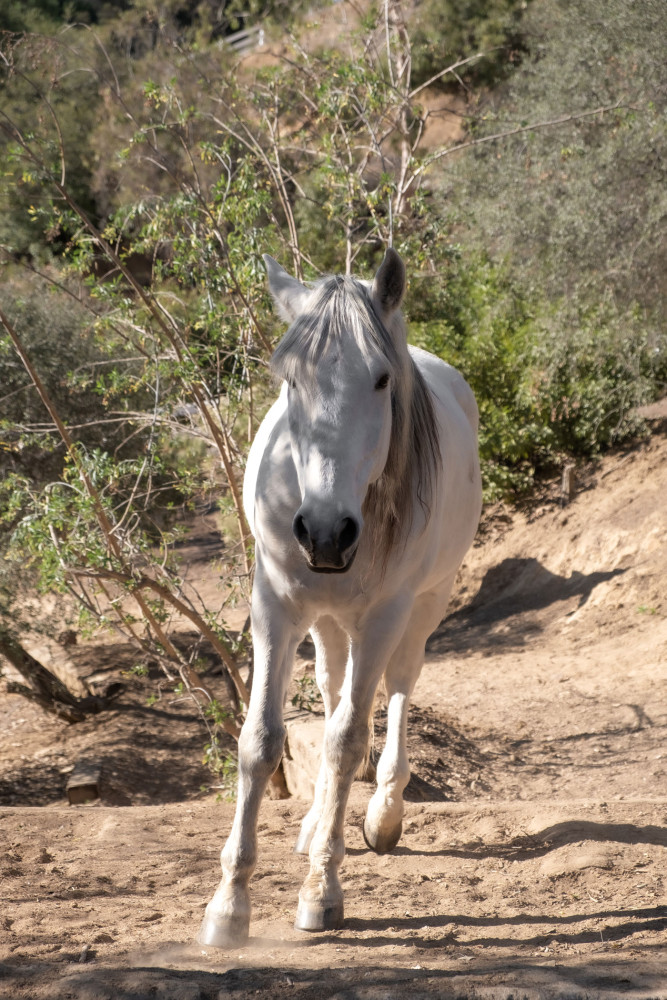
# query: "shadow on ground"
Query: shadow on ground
{"points": [[147, 739], [491, 978], [513, 588]]}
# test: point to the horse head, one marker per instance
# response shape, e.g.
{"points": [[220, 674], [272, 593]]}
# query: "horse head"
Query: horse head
{"points": [[343, 359]]}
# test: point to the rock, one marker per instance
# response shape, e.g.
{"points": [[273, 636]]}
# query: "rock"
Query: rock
{"points": [[305, 733], [83, 784], [303, 752], [575, 858]]}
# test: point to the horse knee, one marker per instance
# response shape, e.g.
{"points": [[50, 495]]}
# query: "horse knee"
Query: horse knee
{"points": [[260, 749], [346, 745]]}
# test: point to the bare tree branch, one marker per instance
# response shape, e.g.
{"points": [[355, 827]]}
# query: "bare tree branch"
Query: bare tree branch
{"points": [[551, 123]]}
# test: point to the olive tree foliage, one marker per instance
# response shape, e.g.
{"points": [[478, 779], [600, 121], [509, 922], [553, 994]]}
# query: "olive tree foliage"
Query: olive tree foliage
{"points": [[581, 207]]}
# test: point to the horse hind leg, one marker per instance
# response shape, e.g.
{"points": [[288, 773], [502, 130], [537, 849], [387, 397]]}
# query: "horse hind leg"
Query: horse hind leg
{"points": [[383, 824], [331, 653]]}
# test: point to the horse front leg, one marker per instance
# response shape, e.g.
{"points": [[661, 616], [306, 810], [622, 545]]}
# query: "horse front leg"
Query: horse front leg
{"points": [[332, 646], [227, 917], [321, 896]]}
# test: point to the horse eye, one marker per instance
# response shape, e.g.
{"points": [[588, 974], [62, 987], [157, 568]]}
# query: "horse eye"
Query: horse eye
{"points": [[291, 383], [382, 382]]}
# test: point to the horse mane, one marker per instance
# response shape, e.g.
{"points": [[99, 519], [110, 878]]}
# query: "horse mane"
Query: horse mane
{"points": [[340, 307]]}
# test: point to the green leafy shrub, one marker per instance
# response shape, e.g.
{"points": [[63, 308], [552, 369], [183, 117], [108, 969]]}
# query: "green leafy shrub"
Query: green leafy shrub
{"points": [[486, 331], [549, 381], [594, 368]]}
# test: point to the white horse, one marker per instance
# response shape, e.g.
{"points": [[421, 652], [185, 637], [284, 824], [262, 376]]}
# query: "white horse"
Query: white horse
{"points": [[363, 493]]}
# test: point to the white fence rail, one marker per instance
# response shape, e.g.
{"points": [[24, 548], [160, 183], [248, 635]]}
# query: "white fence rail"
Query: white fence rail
{"points": [[248, 38]]}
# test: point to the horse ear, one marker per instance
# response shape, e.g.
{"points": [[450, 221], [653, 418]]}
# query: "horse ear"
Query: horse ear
{"points": [[288, 293], [389, 283]]}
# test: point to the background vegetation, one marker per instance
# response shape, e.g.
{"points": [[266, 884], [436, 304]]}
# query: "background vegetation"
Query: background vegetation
{"points": [[147, 167]]}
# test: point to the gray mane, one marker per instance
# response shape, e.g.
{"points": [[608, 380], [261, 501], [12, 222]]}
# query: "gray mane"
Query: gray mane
{"points": [[341, 307]]}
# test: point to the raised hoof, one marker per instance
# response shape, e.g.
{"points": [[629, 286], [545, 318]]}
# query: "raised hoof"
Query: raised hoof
{"points": [[313, 917], [383, 843], [226, 932]]}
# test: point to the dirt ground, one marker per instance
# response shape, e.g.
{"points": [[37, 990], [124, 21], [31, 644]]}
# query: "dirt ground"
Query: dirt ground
{"points": [[533, 859]]}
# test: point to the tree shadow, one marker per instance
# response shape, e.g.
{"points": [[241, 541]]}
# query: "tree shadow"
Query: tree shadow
{"points": [[569, 932], [514, 587], [343, 982], [537, 845], [144, 769], [438, 747], [147, 753]]}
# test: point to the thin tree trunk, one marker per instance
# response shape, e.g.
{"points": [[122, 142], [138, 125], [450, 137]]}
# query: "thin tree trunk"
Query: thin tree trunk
{"points": [[400, 60]]}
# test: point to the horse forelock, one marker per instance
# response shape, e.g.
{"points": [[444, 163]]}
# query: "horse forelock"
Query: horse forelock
{"points": [[341, 307]]}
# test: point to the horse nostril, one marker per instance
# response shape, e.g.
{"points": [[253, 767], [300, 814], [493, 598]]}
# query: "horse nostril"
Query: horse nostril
{"points": [[347, 534], [300, 530]]}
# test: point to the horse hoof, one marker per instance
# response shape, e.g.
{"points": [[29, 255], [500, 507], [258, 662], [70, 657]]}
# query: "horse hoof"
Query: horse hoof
{"points": [[225, 932], [382, 843], [316, 917]]}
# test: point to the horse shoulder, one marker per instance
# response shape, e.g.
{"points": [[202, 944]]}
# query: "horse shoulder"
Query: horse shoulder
{"points": [[256, 454]]}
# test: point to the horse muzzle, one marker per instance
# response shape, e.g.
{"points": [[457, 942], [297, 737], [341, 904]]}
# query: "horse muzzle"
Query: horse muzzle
{"points": [[329, 545]]}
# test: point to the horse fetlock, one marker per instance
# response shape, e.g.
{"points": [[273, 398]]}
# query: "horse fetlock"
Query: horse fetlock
{"points": [[327, 851], [237, 860]]}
